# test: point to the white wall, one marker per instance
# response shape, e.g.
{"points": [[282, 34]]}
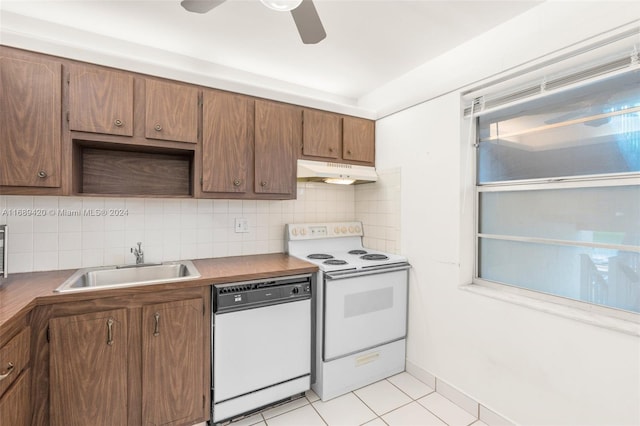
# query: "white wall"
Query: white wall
{"points": [[516, 44], [531, 367]]}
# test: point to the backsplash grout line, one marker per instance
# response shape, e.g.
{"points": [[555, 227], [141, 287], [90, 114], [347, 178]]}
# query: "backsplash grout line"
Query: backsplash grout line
{"points": [[73, 235], [51, 233]]}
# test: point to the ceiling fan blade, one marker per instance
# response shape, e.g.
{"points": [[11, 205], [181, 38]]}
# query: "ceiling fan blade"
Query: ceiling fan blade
{"points": [[308, 22], [200, 6]]}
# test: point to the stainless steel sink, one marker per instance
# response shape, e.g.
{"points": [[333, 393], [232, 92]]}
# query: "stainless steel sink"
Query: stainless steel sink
{"points": [[128, 276]]}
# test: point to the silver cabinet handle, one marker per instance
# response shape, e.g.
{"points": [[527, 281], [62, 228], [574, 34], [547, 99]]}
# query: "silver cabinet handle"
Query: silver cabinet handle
{"points": [[156, 330], [263, 183], [42, 174], [110, 331], [158, 128], [236, 182], [9, 370], [118, 123]]}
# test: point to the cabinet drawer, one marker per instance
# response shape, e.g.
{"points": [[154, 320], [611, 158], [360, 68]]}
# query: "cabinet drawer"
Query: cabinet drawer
{"points": [[14, 357], [15, 404]]}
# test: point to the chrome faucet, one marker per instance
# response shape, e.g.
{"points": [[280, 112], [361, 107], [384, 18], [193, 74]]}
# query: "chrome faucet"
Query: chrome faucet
{"points": [[138, 253]]}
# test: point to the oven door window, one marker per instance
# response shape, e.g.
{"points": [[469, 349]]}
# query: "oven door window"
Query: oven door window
{"points": [[363, 312]]}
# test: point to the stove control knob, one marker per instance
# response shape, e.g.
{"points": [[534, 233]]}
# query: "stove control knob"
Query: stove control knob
{"points": [[343, 229], [358, 229], [351, 229], [294, 231], [303, 231], [336, 229], [295, 290]]}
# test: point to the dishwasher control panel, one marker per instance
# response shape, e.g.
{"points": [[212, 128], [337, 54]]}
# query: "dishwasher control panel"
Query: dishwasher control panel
{"points": [[251, 294]]}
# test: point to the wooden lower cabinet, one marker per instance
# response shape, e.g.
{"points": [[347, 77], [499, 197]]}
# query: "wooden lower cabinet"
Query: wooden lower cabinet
{"points": [[15, 404], [15, 379], [172, 358], [145, 362], [88, 369]]}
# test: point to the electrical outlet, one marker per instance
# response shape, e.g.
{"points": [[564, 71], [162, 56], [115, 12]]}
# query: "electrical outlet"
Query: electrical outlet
{"points": [[242, 225]]}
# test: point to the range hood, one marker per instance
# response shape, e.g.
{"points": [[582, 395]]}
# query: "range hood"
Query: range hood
{"points": [[346, 174]]}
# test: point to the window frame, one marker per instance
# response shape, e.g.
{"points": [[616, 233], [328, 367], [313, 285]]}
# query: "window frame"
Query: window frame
{"points": [[584, 181], [614, 52]]}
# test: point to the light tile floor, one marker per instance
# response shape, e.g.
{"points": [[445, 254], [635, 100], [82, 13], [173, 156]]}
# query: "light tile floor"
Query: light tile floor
{"points": [[401, 400]]}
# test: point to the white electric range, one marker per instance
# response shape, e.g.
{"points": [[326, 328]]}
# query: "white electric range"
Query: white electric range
{"points": [[360, 306]]}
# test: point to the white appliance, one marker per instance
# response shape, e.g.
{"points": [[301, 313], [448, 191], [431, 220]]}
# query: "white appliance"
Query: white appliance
{"points": [[261, 338], [321, 171], [361, 306]]}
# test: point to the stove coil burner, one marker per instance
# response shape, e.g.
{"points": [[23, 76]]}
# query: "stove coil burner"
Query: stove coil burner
{"points": [[374, 257], [319, 256], [358, 252], [335, 262]]}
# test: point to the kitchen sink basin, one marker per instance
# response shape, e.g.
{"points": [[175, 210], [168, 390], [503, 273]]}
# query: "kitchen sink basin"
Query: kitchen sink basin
{"points": [[128, 276]]}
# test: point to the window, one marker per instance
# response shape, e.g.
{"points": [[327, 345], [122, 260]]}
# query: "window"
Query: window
{"points": [[558, 186]]}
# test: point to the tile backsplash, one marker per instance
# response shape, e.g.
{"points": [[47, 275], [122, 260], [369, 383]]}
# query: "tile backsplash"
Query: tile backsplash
{"points": [[378, 207], [50, 233]]}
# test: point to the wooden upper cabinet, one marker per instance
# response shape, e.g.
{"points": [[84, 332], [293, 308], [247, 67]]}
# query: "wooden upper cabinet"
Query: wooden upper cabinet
{"points": [[88, 369], [30, 120], [172, 363], [227, 141], [358, 143], [338, 138], [171, 111], [322, 132], [278, 135], [100, 101]]}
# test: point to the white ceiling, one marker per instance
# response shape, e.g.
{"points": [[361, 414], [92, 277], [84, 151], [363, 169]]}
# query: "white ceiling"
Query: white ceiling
{"points": [[368, 44]]}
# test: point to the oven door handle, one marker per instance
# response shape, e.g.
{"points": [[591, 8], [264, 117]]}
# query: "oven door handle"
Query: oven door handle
{"points": [[341, 275]]}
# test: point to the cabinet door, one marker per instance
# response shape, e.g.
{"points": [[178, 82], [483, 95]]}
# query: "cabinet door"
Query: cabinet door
{"points": [[227, 141], [358, 143], [17, 353], [173, 362], [88, 369], [15, 405], [100, 101], [278, 129], [321, 135], [171, 111], [30, 118]]}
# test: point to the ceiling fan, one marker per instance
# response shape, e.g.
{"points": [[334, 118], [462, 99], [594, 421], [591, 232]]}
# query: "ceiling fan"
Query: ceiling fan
{"points": [[304, 15]]}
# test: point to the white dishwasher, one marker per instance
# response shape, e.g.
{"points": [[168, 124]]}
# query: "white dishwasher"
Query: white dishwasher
{"points": [[261, 343]]}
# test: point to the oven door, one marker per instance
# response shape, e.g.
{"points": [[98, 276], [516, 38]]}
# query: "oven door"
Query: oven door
{"points": [[363, 310]]}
